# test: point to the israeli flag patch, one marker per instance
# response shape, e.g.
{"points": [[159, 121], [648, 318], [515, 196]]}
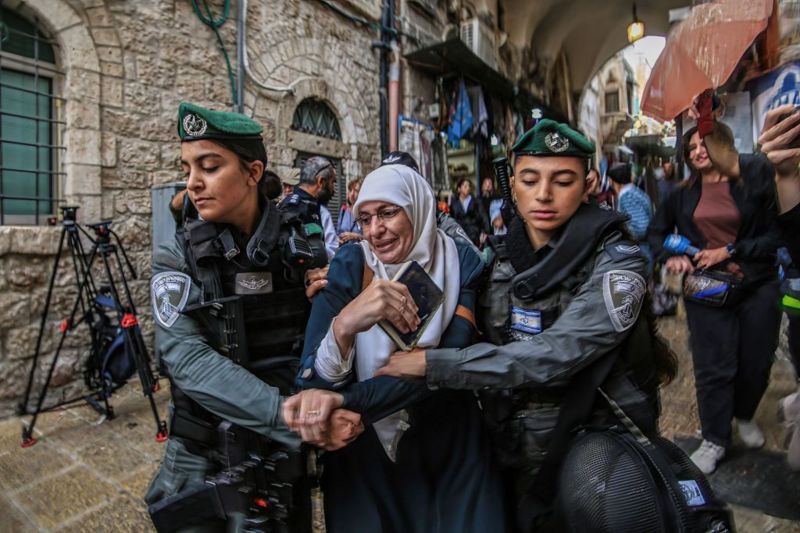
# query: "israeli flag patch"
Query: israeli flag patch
{"points": [[692, 493], [526, 320], [169, 292]]}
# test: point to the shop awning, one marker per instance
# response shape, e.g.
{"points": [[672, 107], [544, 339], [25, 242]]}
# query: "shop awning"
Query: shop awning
{"points": [[454, 57], [649, 144]]}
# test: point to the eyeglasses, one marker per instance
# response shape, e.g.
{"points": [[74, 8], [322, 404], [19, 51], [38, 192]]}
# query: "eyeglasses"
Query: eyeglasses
{"points": [[383, 215]]}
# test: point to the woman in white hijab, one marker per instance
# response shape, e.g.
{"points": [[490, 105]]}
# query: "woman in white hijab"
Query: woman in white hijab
{"points": [[423, 463]]}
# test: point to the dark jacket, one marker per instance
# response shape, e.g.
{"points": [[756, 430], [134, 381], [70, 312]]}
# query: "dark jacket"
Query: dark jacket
{"points": [[473, 220], [380, 396], [443, 478], [759, 235], [790, 225]]}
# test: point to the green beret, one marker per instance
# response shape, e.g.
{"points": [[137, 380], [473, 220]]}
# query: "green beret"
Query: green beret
{"points": [[195, 122], [549, 137]]}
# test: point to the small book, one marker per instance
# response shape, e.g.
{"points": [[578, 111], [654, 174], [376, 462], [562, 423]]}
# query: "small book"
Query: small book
{"points": [[428, 297]]}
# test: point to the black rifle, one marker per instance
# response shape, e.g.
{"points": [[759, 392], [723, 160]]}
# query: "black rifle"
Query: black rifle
{"points": [[500, 165], [262, 487]]}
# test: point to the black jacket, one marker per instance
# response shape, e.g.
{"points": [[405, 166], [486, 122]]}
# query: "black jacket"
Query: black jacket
{"points": [[759, 235], [473, 220], [790, 224]]}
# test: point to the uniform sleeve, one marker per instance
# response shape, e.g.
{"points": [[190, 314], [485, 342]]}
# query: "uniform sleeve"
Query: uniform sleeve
{"points": [[597, 319], [206, 376]]}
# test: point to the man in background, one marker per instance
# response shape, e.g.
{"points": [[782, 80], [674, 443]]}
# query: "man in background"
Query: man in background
{"points": [[633, 202]]}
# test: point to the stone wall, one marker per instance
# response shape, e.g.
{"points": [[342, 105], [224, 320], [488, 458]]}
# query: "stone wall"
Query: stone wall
{"points": [[127, 64]]}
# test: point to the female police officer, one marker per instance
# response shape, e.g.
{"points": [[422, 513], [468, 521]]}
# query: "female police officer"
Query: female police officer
{"points": [[230, 313], [564, 313]]}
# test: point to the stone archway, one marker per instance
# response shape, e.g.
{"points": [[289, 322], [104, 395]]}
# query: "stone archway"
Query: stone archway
{"points": [[318, 68]]}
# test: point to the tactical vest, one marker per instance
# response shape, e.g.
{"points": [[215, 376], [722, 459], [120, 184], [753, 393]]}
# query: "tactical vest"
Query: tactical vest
{"points": [[507, 317], [514, 308], [253, 305]]}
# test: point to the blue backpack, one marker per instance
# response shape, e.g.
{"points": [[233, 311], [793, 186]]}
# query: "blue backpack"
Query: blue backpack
{"points": [[116, 363]]}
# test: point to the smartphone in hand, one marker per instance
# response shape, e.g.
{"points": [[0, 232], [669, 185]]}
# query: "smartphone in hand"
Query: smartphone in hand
{"points": [[796, 141]]}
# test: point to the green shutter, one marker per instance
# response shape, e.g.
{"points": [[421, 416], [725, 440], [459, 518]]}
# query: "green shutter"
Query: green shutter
{"points": [[24, 127]]}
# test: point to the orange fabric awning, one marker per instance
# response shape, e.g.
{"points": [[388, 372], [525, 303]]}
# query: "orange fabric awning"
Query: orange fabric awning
{"points": [[701, 53]]}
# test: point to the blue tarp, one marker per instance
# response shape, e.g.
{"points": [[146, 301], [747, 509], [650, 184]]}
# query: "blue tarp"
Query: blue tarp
{"points": [[461, 117]]}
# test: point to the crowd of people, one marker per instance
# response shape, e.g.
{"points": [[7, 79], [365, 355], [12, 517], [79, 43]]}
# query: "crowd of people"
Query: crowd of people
{"points": [[274, 320]]}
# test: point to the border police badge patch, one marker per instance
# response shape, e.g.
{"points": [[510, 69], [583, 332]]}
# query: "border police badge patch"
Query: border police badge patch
{"points": [[623, 293], [169, 292], [556, 142]]}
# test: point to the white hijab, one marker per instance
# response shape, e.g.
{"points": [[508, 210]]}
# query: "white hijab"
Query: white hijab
{"points": [[432, 249]]}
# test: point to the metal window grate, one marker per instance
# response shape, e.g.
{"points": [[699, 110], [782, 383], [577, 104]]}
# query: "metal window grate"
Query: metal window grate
{"points": [[612, 102], [31, 132], [313, 116]]}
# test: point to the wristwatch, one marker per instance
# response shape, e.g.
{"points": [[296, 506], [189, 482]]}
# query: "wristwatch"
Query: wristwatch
{"points": [[731, 249]]}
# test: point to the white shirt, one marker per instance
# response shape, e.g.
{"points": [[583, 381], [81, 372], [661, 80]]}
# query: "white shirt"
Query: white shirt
{"points": [[331, 239]]}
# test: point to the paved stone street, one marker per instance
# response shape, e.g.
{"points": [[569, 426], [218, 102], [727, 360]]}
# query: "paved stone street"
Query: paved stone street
{"points": [[86, 477]]}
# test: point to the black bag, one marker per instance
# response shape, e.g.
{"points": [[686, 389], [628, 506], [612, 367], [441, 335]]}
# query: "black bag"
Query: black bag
{"points": [[712, 288], [618, 480], [118, 365]]}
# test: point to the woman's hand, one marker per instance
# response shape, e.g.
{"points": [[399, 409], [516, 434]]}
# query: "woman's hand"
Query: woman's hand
{"points": [[382, 300], [779, 138], [679, 264], [316, 280], [405, 365], [348, 236], [345, 427], [709, 258], [308, 413]]}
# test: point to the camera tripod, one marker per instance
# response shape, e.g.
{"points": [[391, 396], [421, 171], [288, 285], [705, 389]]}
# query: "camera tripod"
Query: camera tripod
{"points": [[108, 337]]}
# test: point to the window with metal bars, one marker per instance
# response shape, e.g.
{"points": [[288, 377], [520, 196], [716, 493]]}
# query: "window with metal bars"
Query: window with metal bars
{"points": [[31, 150], [612, 101], [313, 116]]}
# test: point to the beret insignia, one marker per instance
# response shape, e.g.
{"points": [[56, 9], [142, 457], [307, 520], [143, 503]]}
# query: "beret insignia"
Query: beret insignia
{"points": [[194, 124], [555, 142]]}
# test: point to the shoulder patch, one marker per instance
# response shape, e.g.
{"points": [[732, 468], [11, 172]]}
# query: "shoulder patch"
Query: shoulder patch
{"points": [[623, 293], [622, 249], [169, 292]]}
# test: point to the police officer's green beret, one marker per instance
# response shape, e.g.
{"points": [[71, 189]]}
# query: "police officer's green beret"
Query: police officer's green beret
{"points": [[549, 137], [195, 122]]}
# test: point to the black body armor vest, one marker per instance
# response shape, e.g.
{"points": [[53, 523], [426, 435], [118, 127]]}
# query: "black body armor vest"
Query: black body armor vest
{"points": [[254, 305], [518, 304]]}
